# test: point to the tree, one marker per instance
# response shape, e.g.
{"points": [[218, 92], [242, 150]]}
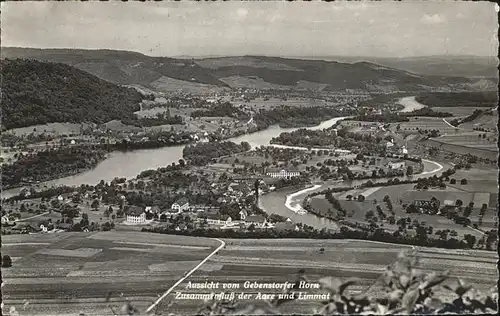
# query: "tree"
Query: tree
{"points": [[421, 233], [409, 170], [411, 208], [275, 218], [369, 214], [453, 181], [84, 222], [95, 204], [6, 261], [459, 203], [463, 181], [361, 198], [471, 240]]}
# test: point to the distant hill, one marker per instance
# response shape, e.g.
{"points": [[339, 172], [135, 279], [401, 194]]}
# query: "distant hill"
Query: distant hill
{"points": [[120, 67], [260, 72], [35, 92], [463, 66], [459, 99]]}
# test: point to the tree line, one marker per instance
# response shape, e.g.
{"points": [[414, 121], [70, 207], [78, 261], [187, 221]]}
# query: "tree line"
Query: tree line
{"points": [[203, 153]]}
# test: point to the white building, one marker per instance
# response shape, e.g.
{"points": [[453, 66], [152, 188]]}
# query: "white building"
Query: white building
{"points": [[243, 214], [396, 165], [258, 221], [283, 174], [135, 215], [181, 205], [218, 219]]}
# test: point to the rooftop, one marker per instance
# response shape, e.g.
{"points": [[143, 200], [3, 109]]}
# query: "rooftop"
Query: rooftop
{"points": [[255, 218], [182, 201], [134, 210]]}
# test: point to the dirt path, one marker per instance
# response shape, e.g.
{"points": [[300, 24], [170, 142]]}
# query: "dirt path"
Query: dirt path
{"points": [[35, 216], [222, 244]]}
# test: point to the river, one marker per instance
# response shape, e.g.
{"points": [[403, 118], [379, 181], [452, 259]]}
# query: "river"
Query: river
{"points": [[410, 104], [287, 202], [130, 164]]}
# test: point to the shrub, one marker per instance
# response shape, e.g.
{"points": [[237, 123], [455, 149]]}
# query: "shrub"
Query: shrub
{"points": [[6, 261], [407, 291]]}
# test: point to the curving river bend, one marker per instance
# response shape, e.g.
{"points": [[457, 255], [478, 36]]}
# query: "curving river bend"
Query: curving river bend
{"points": [[130, 164]]}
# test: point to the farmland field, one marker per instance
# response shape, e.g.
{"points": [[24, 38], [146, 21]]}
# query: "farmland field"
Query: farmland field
{"points": [[457, 111], [260, 103], [470, 139], [141, 266], [215, 63], [356, 211], [72, 272], [166, 84], [487, 153], [50, 128], [267, 261], [428, 123], [479, 179]]}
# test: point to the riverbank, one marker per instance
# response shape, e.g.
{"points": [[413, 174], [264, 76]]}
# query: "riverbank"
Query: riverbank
{"points": [[43, 167], [298, 208], [128, 164]]}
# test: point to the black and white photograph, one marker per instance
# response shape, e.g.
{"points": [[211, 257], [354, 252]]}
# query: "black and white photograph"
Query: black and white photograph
{"points": [[249, 158]]}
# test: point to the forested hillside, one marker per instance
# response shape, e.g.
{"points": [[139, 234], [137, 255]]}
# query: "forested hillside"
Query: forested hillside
{"points": [[124, 67], [454, 99], [36, 92]]}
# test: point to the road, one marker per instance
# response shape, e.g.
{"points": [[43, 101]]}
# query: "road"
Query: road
{"points": [[150, 308], [444, 120], [35, 216]]}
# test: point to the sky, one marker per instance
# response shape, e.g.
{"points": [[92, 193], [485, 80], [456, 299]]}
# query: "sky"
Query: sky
{"points": [[272, 28]]}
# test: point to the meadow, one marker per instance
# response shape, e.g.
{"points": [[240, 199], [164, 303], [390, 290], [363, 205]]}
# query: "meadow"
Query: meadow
{"points": [[267, 261], [457, 111], [485, 153], [356, 211], [74, 272], [427, 123], [70, 272]]}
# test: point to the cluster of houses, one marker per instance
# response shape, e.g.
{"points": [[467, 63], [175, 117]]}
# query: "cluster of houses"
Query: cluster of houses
{"points": [[392, 147], [208, 215]]}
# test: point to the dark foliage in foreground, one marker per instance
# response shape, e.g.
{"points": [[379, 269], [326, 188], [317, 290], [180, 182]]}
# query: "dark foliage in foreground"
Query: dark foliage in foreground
{"points": [[405, 290]]}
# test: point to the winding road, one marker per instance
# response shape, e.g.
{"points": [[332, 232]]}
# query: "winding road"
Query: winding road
{"points": [[222, 244]]}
